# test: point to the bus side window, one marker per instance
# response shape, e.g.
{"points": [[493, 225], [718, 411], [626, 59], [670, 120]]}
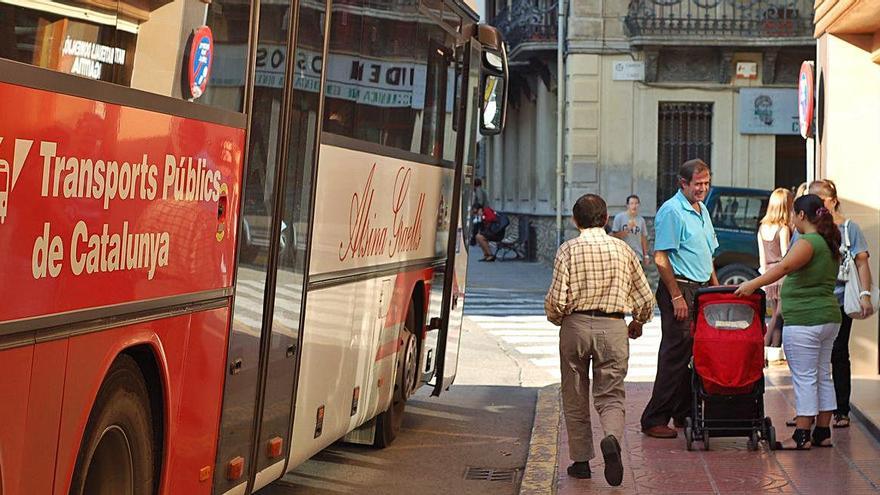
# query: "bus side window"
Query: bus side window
{"points": [[171, 61], [143, 45], [391, 78], [68, 43]]}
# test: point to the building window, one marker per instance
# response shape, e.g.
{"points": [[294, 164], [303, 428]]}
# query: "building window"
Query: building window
{"points": [[684, 132]]}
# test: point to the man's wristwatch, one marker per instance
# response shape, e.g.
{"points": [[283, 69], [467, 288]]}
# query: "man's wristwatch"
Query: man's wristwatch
{"points": [[865, 293]]}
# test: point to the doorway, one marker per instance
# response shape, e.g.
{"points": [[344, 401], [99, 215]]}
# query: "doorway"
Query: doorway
{"points": [[791, 161]]}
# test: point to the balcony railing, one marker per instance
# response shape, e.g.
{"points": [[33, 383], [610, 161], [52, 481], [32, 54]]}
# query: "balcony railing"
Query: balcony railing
{"points": [[740, 19], [525, 21]]}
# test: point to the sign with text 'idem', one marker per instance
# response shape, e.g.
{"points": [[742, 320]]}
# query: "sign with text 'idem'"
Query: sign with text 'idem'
{"points": [[103, 204]]}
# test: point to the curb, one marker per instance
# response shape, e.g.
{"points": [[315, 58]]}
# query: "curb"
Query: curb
{"points": [[539, 476], [864, 419]]}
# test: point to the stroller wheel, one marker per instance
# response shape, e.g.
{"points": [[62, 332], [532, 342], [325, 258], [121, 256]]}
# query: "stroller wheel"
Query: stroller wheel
{"points": [[705, 439], [753, 441], [771, 438], [689, 437]]}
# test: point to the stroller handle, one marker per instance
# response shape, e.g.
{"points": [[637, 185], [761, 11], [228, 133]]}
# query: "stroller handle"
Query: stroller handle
{"points": [[724, 289]]}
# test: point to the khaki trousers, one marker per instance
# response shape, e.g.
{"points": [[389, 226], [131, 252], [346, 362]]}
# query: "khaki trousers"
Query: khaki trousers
{"points": [[602, 343]]}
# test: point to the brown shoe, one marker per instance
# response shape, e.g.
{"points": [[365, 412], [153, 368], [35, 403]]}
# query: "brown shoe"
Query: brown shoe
{"points": [[660, 431]]}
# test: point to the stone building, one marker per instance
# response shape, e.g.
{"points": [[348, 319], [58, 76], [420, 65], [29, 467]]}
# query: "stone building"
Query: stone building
{"points": [[648, 84]]}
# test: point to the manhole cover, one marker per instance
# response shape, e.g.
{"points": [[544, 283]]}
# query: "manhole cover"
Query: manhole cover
{"points": [[491, 474]]}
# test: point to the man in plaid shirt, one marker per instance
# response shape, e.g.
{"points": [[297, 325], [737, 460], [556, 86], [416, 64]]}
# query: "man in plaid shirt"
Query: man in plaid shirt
{"points": [[596, 279]]}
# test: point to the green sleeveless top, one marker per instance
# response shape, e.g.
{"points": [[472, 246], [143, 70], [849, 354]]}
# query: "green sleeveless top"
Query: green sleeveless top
{"points": [[808, 294]]}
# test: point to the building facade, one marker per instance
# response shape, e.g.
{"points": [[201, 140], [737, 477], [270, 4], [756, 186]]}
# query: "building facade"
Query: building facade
{"points": [[847, 130], [648, 85]]}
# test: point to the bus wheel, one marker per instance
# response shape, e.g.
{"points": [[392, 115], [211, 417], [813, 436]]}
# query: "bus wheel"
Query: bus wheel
{"points": [[116, 456], [388, 423]]}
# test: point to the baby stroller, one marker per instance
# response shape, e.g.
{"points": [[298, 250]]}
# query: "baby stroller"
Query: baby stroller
{"points": [[728, 368]]}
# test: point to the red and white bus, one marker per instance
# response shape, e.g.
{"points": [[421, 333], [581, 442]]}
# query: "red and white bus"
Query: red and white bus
{"points": [[231, 231]]}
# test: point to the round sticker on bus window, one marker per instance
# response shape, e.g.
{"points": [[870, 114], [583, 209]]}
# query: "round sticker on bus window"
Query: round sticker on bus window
{"points": [[198, 67]]}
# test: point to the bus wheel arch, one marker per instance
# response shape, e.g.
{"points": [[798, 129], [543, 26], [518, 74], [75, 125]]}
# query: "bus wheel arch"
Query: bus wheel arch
{"points": [[125, 422], [389, 422]]}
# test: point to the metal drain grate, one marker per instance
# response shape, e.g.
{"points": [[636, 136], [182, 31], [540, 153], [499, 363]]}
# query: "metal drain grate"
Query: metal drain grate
{"points": [[505, 475]]}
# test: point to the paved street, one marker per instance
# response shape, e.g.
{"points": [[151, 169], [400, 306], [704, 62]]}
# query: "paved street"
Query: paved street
{"points": [[516, 321]]}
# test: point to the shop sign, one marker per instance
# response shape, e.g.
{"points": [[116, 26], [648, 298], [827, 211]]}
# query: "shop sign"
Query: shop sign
{"points": [[768, 111], [200, 56], [806, 99]]}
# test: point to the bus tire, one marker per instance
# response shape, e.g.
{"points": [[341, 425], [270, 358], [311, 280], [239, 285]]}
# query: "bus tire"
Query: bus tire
{"points": [[117, 454], [389, 423]]}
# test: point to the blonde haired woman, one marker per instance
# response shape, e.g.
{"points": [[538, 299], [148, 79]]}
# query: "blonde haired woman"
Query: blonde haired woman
{"points": [[774, 237], [858, 247]]}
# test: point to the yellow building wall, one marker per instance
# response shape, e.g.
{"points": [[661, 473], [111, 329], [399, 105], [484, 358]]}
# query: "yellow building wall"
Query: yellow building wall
{"points": [[616, 123], [848, 156]]}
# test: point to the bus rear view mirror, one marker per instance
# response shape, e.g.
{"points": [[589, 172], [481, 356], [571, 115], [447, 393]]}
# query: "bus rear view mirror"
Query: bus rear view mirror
{"points": [[494, 79], [493, 61], [493, 92]]}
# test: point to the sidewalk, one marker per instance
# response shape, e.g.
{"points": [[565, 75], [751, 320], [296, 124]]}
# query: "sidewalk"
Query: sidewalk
{"points": [[658, 466], [654, 466], [513, 275]]}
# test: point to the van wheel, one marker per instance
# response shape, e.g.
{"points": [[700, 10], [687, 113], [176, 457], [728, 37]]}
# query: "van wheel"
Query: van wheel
{"points": [[389, 423], [117, 454], [735, 274]]}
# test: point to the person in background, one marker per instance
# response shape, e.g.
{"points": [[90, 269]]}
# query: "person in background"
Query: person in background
{"points": [[801, 190], [774, 235], [812, 319], [492, 228], [479, 200], [683, 246], [631, 227], [596, 278], [840, 364]]}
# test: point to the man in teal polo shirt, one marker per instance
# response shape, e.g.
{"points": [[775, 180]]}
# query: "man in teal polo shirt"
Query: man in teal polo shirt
{"points": [[683, 247]]}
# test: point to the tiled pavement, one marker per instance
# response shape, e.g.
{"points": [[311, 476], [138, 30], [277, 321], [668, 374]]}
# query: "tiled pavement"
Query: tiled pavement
{"points": [[655, 466]]}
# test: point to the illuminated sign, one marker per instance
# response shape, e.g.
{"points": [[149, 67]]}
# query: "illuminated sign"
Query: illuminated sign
{"points": [[86, 58]]}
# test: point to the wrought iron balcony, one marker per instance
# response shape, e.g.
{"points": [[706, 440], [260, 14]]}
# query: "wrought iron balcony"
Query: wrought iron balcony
{"points": [[722, 20], [528, 23]]}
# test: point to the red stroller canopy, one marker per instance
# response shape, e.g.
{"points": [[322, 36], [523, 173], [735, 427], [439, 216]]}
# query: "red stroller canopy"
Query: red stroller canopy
{"points": [[729, 339]]}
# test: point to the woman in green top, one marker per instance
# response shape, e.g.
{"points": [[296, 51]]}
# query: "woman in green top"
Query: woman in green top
{"points": [[812, 318]]}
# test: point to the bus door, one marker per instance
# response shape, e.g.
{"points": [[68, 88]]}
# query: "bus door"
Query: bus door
{"points": [[456, 268], [482, 106], [263, 351]]}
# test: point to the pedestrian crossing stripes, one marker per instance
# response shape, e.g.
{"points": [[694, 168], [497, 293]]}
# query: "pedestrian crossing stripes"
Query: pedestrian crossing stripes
{"points": [[495, 302], [516, 320]]}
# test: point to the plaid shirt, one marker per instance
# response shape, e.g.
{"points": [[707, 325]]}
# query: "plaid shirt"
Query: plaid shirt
{"points": [[597, 272]]}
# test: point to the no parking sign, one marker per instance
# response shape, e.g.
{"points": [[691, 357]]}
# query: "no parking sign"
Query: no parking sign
{"points": [[198, 64]]}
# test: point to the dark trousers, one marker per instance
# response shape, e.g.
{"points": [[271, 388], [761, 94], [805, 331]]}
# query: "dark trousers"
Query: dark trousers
{"points": [[840, 366], [671, 397]]}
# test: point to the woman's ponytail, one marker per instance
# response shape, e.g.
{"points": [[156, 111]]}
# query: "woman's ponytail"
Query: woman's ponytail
{"points": [[822, 219]]}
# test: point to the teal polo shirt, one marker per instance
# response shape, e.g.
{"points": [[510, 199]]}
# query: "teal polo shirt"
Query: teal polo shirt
{"points": [[687, 236]]}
